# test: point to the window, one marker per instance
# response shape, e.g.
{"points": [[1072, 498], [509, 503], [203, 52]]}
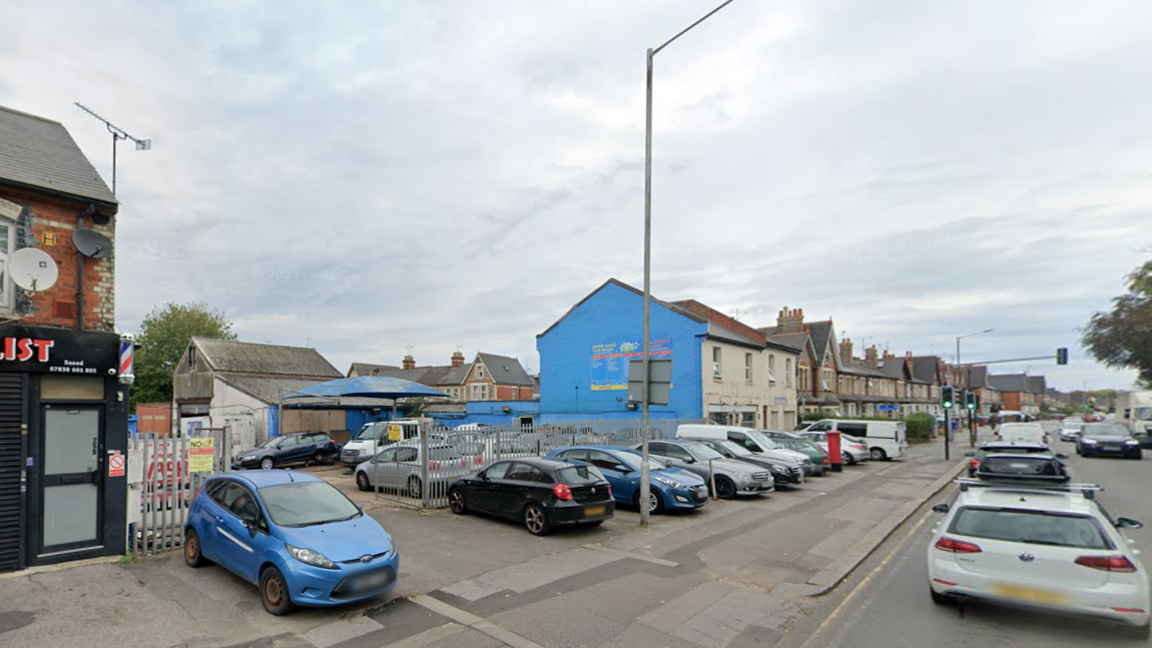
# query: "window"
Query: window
{"points": [[524, 472], [787, 372], [603, 460], [407, 454], [484, 392], [1031, 527], [479, 371], [716, 357], [498, 470], [771, 369], [191, 358], [7, 242], [748, 367], [674, 452]]}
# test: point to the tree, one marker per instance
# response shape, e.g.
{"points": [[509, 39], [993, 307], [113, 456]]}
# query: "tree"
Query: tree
{"points": [[164, 336], [1122, 338]]}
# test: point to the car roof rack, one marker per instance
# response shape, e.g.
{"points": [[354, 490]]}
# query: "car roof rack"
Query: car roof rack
{"points": [[1029, 486]]}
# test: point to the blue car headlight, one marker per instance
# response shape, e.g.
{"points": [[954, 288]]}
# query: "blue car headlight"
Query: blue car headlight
{"points": [[1088, 441], [670, 483], [309, 557]]}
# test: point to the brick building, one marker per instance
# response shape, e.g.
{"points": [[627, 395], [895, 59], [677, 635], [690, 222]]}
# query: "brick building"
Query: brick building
{"points": [[63, 402]]}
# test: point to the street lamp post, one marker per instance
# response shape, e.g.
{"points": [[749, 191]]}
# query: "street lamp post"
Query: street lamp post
{"points": [[645, 488], [968, 384]]}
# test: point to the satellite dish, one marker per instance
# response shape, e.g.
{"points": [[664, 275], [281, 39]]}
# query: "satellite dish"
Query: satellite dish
{"points": [[91, 243], [32, 269]]}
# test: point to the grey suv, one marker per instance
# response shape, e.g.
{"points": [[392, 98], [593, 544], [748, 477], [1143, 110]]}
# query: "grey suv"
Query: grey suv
{"points": [[732, 477]]}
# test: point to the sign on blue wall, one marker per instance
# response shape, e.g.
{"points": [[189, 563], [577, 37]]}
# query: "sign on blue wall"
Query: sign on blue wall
{"points": [[610, 361]]}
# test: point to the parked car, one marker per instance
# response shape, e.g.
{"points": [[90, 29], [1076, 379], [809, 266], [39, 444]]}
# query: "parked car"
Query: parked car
{"points": [[1022, 467], [670, 488], [886, 439], [732, 477], [852, 450], [796, 443], [1005, 447], [784, 472], [1099, 439], [288, 449], [751, 439], [296, 537], [400, 467], [541, 493], [1070, 428], [1047, 547]]}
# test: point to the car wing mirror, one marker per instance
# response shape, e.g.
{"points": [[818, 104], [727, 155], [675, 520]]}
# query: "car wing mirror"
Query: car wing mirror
{"points": [[969, 454], [622, 468], [941, 508], [1128, 523], [1061, 455], [251, 526]]}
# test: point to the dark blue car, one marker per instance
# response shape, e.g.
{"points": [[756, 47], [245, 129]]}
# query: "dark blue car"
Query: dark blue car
{"points": [[294, 535], [671, 488]]}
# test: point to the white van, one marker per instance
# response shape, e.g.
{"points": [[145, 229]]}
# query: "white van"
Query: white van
{"points": [[374, 436], [885, 439], [750, 439], [1022, 433]]}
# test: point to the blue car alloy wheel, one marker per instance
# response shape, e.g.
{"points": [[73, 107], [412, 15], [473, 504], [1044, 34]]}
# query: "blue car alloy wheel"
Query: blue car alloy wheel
{"points": [[297, 538]]}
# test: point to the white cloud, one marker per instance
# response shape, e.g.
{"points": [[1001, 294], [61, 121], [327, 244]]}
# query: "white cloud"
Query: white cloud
{"points": [[364, 178]]}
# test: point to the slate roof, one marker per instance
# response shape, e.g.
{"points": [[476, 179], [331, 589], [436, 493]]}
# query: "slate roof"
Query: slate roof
{"points": [[268, 359], [794, 341], [892, 367], [505, 370], [1008, 382], [366, 369], [924, 368], [265, 388], [820, 333], [717, 332], [427, 376], [40, 154]]}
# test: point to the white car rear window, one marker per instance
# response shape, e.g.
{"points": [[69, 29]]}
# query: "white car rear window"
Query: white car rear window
{"points": [[1030, 527]]}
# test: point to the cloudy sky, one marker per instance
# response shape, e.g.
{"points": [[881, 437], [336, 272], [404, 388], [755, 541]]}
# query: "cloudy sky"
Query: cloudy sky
{"points": [[361, 177]]}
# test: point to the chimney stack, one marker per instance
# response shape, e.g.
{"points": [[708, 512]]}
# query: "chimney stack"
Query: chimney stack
{"points": [[790, 320], [409, 363], [872, 356], [846, 351], [457, 360]]}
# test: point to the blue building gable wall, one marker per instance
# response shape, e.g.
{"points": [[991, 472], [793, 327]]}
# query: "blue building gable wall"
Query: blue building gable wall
{"points": [[609, 318]]}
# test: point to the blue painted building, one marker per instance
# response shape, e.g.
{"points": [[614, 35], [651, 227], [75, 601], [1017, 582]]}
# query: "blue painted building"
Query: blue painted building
{"points": [[584, 356]]}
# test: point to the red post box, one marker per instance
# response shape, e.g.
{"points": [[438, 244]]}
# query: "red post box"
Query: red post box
{"points": [[834, 453]]}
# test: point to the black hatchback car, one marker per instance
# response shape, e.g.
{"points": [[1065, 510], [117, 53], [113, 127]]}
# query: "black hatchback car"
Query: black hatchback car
{"points": [[540, 493], [288, 449], [1099, 439]]}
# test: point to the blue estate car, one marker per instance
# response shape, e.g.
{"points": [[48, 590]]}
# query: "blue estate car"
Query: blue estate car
{"points": [[671, 488], [294, 535]]}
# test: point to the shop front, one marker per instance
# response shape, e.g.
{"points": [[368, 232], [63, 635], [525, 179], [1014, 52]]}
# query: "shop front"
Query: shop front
{"points": [[63, 445]]}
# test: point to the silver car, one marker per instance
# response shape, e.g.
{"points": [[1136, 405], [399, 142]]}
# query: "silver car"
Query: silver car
{"points": [[400, 467], [732, 477], [852, 450]]}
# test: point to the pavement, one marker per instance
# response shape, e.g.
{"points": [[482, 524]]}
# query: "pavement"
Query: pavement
{"points": [[735, 573], [886, 603]]}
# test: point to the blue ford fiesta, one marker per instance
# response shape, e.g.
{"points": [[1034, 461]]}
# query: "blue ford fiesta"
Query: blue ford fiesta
{"points": [[294, 535], [670, 488]]}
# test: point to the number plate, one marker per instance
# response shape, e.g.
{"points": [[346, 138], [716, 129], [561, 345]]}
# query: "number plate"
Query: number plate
{"points": [[1028, 594], [594, 510], [371, 581]]}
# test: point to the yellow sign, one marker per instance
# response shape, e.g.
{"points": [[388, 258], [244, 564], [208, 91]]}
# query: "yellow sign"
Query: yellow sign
{"points": [[201, 452], [395, 432]]}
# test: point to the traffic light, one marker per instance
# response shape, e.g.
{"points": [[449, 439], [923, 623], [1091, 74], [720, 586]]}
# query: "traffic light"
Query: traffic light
{"points": [[970, 400], [1062, 356], [947, 397]]}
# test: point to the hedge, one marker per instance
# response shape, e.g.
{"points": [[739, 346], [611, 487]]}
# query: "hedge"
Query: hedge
{"points": [[920, 425]]}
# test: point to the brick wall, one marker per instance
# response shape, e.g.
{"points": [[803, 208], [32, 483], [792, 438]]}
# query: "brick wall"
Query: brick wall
{"points": [[56, 218]]}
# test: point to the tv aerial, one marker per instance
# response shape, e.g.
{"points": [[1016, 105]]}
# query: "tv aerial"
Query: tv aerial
{"points": [[117, 135], [91, 243], [32, 269]]}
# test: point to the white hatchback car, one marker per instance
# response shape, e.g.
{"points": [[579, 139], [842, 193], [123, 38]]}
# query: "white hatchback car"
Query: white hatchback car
{"points": [[1053, 548], [852, 449]]}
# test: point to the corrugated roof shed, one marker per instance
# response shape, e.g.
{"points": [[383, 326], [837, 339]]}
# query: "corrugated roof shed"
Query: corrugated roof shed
{"points": [[40, 153]]}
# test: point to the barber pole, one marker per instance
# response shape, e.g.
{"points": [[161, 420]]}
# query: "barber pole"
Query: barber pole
{"points": [[127, 359]]}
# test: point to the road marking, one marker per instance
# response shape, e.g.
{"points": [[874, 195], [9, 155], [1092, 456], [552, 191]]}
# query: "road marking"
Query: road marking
{"points": [[867, 580], [430, 636]]}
